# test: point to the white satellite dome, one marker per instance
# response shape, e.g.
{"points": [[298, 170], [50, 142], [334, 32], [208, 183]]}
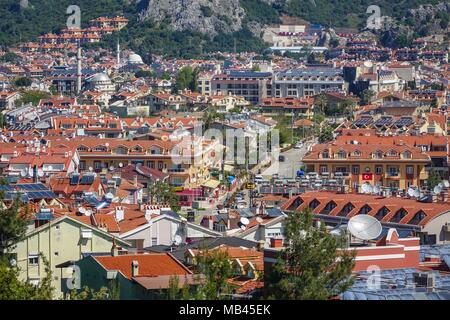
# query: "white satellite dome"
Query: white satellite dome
{"points": [[135, 59]]}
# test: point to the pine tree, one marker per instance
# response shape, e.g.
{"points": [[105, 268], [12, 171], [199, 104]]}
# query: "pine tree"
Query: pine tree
{"points": [[13, 225], [312, 267]]}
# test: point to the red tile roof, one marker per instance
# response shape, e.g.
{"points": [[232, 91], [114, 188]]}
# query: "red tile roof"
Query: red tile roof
{"points": [[150, 265]]}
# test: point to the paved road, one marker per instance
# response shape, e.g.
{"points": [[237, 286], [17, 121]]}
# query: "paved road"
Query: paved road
{"points": [[288, 168]]}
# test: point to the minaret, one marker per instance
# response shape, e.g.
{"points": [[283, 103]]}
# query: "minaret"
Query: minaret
{"points": [[118, 54], [79, 71]]}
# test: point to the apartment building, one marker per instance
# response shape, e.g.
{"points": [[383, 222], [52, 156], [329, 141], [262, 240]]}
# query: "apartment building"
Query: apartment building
{"points": [[307, 82], [396, 166], [253, 86]]}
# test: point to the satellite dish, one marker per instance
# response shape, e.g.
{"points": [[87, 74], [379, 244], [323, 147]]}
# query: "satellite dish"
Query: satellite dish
{"points": [[111, 168], [437, 189], [244, 221], [411, 192], [178, 240], [82, 210], [121, 165], [364, 227], [259, 220], [109, 195], [446, 184], [376, 189], [23, 173], [416, 193], [243, 227], [339, 230], [366, 188], [41, 173], [31, 172], [91, 169]]}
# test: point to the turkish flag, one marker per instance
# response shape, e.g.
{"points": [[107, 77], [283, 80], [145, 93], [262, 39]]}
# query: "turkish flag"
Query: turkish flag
{"points": [[367, 176]]}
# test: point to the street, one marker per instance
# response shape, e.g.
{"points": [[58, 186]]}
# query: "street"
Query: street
{"points": [[292, 162]]}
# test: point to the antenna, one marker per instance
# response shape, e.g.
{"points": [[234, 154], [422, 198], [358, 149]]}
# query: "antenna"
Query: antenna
{"points": [[437, 189], [376, 189], [244, 221], [364, 227], [177, 240]]}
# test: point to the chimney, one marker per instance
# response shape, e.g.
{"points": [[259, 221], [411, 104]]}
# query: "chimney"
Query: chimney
{"points": [[261, 245], [35, 174], [114, 249], [120, 214], [148, 213], [276, 242], [134, 268]]}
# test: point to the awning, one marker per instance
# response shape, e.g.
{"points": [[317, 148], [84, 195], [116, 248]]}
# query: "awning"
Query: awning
{"points": [[211, 184]]}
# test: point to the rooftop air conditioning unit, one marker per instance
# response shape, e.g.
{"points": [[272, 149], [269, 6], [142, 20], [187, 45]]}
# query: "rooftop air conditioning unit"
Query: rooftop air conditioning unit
{"points": [[423, 279], [446, 227]]}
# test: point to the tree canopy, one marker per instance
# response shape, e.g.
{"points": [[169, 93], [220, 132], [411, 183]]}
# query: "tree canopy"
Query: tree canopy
{"points": [[313, 266]]}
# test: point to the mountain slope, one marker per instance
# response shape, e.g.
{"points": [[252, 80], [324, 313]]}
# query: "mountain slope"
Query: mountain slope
{"points": [[190, 27]]}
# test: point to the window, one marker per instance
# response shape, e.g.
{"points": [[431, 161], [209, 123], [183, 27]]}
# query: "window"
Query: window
{"points": [[325, 155], [419, 216], [410, 170], [341, 154], [154, 241], [392, 153], [355, 169], [365, 209], [399, 215], [329, 207], [33, 259], [377, 155], [151, 164], [382, 213], [378, 170], [314, 204], [82, 165], [393, 171], [346, 209], [97, 165], [160, 165], [356, 153], [406, 155], [323, 168]]}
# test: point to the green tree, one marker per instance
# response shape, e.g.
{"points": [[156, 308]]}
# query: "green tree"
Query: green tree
{"points": [[12, 288], [10, 57], [321, 102], [23, 82], [89, 294], [326, 134], [313, 266], [13, 225], [2, 120], [213, 269], [366, 96], [161, 192], [33, 97], [434, 178], [186, 79]]}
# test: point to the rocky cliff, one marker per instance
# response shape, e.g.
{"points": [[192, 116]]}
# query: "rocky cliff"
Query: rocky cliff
{"points": [[209, 17]]}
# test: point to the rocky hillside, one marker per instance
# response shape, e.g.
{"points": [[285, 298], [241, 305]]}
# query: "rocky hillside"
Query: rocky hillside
{"points": [[190, 27], [206, 16]]}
